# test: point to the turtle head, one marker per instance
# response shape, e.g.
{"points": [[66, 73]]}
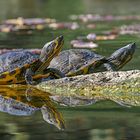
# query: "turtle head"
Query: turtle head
{"points": [[51, 49], [121, 56]]}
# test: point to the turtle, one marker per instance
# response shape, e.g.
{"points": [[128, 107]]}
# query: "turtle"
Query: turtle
{"points": [[14, 102], [74, 62], [24, 66]]}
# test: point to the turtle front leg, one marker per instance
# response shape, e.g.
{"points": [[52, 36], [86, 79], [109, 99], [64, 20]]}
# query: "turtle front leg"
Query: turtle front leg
{"points": [[29, 80], [29, 77], [53, 73], [48, 73]]}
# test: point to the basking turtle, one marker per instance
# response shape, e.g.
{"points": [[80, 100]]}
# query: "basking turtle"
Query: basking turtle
{"points": [[81, 61], [21, 66]]}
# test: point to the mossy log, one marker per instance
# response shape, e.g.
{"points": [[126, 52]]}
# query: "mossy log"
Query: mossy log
{"points": [[122, 87]]}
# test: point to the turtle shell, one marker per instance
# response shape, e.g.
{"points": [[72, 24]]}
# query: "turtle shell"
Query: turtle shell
{"points": [[16, 59], [73, 59], [13, 66]]}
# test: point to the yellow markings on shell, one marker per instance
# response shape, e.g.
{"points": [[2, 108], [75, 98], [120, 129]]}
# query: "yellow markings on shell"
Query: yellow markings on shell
{"points": [[7, 77], [84, 69]]}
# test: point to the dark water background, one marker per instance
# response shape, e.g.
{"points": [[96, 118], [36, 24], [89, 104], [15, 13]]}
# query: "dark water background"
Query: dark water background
{"points": [[102, 121]]}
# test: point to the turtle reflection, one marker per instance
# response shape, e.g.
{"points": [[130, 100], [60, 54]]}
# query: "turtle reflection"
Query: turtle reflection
{"points": [[15, 101]]}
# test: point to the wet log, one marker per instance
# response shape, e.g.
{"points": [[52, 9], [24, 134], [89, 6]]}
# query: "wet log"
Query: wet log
{"points": [[122, 87]]}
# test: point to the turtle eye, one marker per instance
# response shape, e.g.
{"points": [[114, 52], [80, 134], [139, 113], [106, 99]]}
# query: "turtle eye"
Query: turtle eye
{"points": [[53, 47], [49, 48]]}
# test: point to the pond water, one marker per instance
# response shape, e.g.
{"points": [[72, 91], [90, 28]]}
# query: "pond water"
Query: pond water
{"points": [[101, 121]]}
